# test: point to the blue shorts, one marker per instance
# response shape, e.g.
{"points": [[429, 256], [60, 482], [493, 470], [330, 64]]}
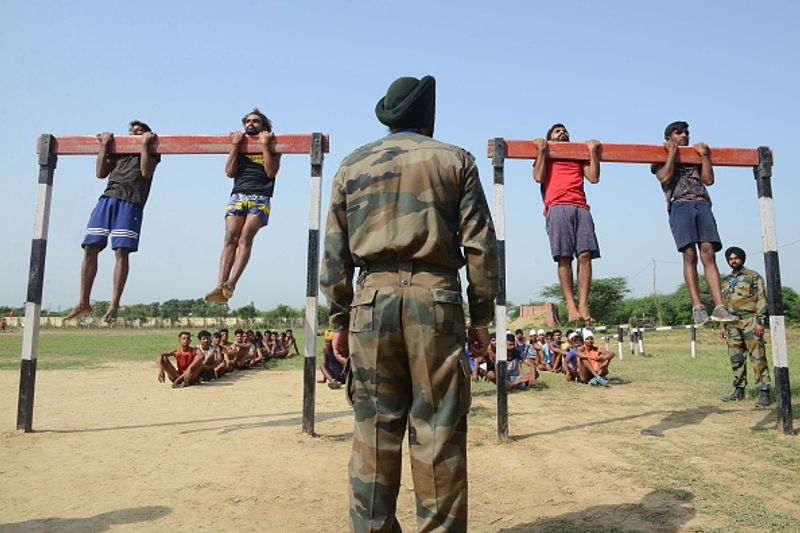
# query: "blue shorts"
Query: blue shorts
{"points": [[242, 205], [693, 222], [571, 232], [119, 219]]}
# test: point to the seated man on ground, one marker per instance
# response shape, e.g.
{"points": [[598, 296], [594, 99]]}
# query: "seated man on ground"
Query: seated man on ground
{"points": [[188, 363], [514, 378], [571, 360], [594, 361], [291, 343], [223, 363], [555, 349], [255, 342], [278, 348], [206, 351], [484, 364], [333, 364], [239, 350], [544, 355]]}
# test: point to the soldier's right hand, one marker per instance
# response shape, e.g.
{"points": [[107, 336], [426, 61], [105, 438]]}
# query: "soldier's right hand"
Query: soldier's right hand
{"points": [[541, 145], [236, 137], [105, 138], [478, 338], [671, 146]]}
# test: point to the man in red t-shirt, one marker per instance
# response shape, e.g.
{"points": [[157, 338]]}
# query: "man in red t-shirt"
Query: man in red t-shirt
{"points": [[570, 227], [186, 360]]}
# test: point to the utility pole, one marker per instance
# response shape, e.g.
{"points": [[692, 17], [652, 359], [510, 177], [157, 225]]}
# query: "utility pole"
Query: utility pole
{"points": [[659, 318]]}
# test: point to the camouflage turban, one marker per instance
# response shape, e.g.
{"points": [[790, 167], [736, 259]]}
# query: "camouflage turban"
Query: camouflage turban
{"points": [[409, 103]]}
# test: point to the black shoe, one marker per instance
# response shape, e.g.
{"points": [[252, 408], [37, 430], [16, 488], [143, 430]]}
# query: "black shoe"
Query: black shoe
{"points": [[736, 396], [764, 400]]}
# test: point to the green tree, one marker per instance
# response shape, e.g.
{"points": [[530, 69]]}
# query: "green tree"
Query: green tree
{"points": [[791, 305], [605, 298], [247, 312]]}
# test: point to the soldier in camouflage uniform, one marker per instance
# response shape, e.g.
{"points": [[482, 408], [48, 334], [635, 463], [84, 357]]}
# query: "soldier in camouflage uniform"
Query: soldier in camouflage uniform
{"points": [[743, 292], [402, 208]]}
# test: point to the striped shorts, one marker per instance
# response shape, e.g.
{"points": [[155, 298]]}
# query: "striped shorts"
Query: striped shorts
{"points": [[119, 219]]}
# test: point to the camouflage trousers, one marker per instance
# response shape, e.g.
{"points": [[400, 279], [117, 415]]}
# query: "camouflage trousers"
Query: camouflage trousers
{"points": [[408, 368], [742, 344]]}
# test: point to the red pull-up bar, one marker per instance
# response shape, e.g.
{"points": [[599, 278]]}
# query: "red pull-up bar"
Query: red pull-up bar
{"points": [[180, 144], [629, 153]]}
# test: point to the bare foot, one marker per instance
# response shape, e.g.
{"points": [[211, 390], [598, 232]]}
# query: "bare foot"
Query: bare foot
{"points": [[573, 314], [79, 311], [111, 315], [587, 317]]}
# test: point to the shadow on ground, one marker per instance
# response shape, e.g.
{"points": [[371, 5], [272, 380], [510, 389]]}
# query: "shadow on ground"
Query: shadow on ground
{"points": [[230, 425], [664, 510], [89, 524], [676, 419]]}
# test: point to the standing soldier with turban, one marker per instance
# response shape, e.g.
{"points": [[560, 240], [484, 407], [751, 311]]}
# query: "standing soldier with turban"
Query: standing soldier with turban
{"points": [[743, 292], [402, 209]]}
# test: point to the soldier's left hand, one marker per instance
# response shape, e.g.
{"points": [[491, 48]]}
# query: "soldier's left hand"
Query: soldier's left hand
{"points": [[759, 330], [593, 145], [702, 149]]}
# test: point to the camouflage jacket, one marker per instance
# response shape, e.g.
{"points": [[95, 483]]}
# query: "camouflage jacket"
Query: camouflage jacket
{"points": [[408, 197], [745, 295]]}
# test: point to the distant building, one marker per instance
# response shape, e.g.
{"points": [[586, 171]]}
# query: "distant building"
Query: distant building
{"points": [[540, 315]]}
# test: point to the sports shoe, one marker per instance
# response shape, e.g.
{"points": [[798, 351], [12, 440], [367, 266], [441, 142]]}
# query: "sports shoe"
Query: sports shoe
{"points": [[603, 382], [593, 382], [764, 400], [736, 396], [700, 316], [721, 314], [216, 296], [334, 384]]}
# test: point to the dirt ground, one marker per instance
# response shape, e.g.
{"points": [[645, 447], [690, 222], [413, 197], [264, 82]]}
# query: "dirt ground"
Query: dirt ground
{"points": [[115, 451]]}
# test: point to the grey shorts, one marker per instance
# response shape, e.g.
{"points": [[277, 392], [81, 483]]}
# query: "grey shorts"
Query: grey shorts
{"points": [[571, 232], [693, 222]]}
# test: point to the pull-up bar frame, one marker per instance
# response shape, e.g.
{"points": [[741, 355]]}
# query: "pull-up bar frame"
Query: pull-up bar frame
{"points": [[49, 147], [760, 159]]}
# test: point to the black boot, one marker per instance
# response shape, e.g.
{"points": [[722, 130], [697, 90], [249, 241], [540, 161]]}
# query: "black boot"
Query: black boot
{"points": [[736, 396], [764, 400]]}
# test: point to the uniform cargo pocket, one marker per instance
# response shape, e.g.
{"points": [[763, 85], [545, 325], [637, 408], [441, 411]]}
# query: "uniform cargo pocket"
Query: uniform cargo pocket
{"points": [[448, 312], [361, 310]]}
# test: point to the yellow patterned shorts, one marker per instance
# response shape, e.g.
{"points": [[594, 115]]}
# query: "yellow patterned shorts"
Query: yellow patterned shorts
{"points": [[241, 205]]}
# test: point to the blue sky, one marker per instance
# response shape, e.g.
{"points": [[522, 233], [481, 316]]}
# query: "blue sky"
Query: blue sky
{"points": [[615, 71]]}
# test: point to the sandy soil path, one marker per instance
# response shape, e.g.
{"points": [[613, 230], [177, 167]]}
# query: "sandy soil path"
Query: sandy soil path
{"points": [[115, 451]]}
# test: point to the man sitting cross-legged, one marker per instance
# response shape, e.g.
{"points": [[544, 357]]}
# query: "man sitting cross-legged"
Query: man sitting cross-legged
{"points": [[594, 360], [188, 363]]}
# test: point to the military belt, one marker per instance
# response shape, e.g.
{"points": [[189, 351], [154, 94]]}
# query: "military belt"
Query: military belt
{"points": [[407, 266]]}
